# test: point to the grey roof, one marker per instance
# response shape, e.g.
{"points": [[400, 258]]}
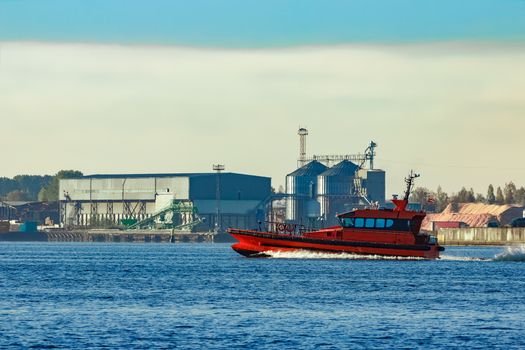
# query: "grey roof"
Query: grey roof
{"points": [[120, 176], [137, 176], [15, 203], [313, 168], [344, 168]]}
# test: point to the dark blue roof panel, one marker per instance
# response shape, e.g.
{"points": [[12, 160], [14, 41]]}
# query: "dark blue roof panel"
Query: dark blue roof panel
{"points": [[344, 168], [313, 168]]}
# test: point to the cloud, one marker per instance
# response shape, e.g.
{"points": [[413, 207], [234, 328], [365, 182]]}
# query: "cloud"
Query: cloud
{"points": [[453, 111]]}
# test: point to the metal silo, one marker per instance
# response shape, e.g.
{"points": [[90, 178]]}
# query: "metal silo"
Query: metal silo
{"points": [[336, 190], [301, 186]]}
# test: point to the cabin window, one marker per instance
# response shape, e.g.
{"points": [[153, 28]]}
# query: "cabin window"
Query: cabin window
{"points": [[381, 224], [347, 222]]}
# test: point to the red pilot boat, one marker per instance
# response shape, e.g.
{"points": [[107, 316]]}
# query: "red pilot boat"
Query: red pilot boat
{"points": [[388, 232]]}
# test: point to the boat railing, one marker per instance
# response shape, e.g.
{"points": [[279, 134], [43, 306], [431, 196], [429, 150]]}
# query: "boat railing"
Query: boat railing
{"points": [[284, 228]]}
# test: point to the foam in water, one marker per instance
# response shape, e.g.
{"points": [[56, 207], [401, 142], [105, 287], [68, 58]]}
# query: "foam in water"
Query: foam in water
{"points": [[513, 253], [305, 254], [461, 258]]}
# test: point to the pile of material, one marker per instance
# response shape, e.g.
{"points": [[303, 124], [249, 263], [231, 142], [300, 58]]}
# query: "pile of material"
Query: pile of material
{"points": [[474, 214]]}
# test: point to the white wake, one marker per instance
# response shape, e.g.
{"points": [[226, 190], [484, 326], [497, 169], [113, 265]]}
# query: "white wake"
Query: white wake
{"points": [[461, 258], [512, 253], [305, 254]]}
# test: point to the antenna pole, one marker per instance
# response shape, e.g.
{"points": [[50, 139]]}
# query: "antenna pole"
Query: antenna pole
{"points": [[410, 183], [218, 168]]}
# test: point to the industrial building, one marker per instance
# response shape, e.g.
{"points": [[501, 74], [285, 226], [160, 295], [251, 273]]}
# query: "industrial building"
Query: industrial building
{"points": [[326, 185], [40, 212], [200, 198]]}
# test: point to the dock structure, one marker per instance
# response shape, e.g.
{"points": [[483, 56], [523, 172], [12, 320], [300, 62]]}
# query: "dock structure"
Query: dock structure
{"points": [[138, 236]]}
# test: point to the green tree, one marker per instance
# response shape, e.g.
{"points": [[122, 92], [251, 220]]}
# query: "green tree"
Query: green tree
{"points": [[50, 192], [491, 198], [471, 197], [520, 196], [463, 196], [500, 199], [7, 185], [480, 198], [420, 195], [31, 184], [510, 193], [18, 196], [442, 199]]}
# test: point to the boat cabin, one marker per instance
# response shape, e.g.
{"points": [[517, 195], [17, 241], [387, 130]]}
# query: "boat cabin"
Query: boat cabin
{"points": [[382, 220]]}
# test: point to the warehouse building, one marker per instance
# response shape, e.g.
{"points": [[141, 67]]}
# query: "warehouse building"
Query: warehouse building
{"points": [[107, 200]]}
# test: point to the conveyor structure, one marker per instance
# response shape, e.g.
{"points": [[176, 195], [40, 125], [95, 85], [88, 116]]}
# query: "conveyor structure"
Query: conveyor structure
{"points": [[178, 215]]}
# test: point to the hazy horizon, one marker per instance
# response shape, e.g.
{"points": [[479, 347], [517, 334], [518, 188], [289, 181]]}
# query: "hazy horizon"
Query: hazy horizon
{"points": [[177, 87]]}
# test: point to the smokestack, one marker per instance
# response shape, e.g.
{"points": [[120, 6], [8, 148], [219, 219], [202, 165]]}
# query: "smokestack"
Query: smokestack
{"points": [[302, 132]]}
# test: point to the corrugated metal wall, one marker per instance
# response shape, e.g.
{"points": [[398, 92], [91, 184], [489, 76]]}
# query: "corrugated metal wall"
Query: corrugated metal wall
{"points": [[233, 187], [376, 185], [115, 189], [97, 199]]}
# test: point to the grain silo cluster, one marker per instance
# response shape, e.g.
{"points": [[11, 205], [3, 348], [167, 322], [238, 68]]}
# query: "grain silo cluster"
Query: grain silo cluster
{"points": [[318, 190]]}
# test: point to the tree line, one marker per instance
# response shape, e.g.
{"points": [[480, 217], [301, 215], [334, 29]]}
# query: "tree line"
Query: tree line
{"points": [[34, 187], [509, 194]]}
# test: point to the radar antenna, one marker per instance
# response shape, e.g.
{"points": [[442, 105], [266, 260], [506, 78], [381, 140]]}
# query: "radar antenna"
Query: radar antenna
{"points": [[410, 183]]}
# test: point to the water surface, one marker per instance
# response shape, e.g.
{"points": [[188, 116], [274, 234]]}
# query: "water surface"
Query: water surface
{"points": [[75, 295]]}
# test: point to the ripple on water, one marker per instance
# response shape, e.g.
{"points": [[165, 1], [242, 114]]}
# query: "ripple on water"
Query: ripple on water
{"points": [[207, 296]]}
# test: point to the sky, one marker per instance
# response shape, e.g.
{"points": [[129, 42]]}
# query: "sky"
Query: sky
{"points": [[176, 86], [260, 24]]}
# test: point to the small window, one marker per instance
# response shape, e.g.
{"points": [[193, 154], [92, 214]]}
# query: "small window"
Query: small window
{"points": [[359, 222], [389, 223], [348, 222], [380, 223], [369, 223]]}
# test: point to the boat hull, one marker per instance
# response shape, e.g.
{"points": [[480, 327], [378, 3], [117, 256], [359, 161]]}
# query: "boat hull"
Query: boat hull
{"points": [[260, 244]]}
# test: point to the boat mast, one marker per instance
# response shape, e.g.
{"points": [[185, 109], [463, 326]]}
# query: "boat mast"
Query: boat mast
{"points": [[410, 183]]}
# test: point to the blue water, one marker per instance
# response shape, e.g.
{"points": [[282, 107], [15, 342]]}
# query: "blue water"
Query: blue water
{"points": [[206, 296]]}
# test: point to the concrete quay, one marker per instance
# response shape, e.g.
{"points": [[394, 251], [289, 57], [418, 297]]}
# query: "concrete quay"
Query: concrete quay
{"points": [[112, 235], [482, 236]]}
